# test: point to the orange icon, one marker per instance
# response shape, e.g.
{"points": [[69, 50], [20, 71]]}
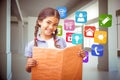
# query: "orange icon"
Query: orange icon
{"points": [[100, 37]]}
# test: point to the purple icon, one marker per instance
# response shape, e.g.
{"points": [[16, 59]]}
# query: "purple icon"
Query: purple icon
{"points": [[85, 59], [69, 25]]}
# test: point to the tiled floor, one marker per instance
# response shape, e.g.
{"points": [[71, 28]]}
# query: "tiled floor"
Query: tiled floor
{"points": [[90, 71]]}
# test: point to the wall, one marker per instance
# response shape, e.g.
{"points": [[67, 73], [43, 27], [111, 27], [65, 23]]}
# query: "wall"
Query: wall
{"points": [[113, 5], [31, 27], [15, 38], [118, 31], [18, 42], [2, 41], [5, 53], [21, 34]]}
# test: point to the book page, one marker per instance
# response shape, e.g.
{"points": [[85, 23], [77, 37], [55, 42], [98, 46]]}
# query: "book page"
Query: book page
{"points": [[57, 64]]}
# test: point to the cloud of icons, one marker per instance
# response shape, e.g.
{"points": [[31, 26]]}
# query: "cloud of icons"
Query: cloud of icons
{"points": [[100, 37]]}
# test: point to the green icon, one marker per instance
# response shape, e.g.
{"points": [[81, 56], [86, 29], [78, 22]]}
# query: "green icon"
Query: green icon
{"points": [[59, 28], [105, 20]]}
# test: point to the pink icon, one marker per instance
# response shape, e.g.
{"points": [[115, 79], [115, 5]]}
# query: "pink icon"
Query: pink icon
{"points": [[69, 25]]}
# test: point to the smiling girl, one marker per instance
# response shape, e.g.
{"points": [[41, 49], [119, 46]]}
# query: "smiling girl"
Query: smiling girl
{"points": [[47, 22]]}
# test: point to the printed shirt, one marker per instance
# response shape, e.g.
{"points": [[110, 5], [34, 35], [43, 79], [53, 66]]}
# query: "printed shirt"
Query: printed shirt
{"points": [[43, 44]]}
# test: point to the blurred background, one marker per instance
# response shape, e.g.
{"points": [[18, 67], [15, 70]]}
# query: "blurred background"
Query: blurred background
{"points": [[18, 18]]}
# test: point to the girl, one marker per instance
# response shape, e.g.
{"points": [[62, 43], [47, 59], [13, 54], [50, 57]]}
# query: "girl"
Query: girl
{"points": [[47, 21]]}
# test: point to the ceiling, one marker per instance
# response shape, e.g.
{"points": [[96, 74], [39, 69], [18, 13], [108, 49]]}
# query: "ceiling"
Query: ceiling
{"points": [[25, 8]]}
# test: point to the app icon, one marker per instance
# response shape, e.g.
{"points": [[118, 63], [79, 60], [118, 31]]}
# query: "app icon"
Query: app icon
{"points": [[69, 37], [100, 37], [77, 38], [105, 20], [62, 11], [81, 16], [85, 59], [89, 31], [97, 50], [59, 28], [69, 25]]}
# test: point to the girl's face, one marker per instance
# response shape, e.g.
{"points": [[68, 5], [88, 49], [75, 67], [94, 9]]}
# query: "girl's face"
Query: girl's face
{"points": [[48, 25]]}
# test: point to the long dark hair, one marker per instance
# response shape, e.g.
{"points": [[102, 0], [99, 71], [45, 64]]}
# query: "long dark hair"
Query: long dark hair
{"points": [[42, 15]]}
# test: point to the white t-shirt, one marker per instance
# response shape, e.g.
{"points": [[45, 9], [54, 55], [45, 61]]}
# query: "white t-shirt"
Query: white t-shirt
{"points": [[50, 43]]}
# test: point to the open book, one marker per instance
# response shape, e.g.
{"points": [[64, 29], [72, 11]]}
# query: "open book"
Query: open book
{"points": [[57, 64]]}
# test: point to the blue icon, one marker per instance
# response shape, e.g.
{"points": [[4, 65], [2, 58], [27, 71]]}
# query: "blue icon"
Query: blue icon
{"points": [[62, 11], [97, 50], [81, 16], [77, 38], [85, 59]]}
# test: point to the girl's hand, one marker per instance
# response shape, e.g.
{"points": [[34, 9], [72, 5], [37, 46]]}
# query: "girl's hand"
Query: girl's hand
{"points": [[30, 63], [81, 53]]}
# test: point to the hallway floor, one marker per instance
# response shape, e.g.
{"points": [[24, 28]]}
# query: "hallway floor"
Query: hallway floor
{"points": [[90, 71]]}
